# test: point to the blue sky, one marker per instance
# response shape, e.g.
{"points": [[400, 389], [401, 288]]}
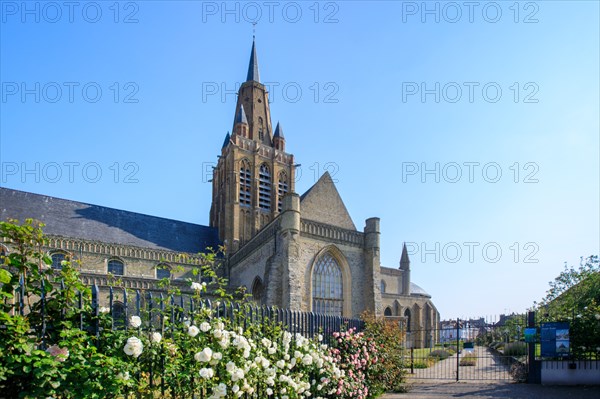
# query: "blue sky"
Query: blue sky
{"points": [[127, 106]]}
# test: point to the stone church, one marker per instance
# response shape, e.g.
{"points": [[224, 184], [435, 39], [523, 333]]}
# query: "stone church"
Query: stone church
{"points": [[301, 252]]}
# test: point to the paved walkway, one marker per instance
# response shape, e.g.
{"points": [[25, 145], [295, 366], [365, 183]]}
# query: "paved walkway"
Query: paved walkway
{"points": [[488, 368], [495, 391]]}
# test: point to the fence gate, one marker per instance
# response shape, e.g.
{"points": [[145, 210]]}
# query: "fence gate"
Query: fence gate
{"points": [[468, 350]]}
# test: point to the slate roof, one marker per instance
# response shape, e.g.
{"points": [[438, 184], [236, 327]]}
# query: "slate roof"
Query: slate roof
{"points": [[253, 65], [418, 291], [279, 131], [98, 223]]}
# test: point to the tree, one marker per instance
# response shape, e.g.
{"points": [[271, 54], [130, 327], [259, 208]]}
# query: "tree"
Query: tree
{"points": [[574, 296]]}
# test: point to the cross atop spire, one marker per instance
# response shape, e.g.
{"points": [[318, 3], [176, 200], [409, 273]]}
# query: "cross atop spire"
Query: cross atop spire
{"points": [[253, 65]]}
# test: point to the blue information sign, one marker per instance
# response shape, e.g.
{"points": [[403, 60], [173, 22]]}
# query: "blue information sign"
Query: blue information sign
{"points": [[555, 339]]}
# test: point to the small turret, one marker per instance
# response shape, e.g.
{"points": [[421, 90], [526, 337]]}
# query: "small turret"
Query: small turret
{"points": [[226, 141], [240, 123], [278, 138], [405, 268]]}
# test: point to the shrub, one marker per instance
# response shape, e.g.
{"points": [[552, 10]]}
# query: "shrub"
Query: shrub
{"points": [[420, 364], [388, 373], [518, 372], [440, 354], [515, 349]]}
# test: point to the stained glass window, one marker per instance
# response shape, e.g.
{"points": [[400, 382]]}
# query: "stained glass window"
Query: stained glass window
{"points": [[57, 259], [327, 286], [163, 271], [116, 267]]}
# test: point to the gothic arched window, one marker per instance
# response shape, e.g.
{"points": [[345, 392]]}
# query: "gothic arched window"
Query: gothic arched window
{"points": [[245, 184], [57, 258], [387, 312], [257, 290], [327, 286], [163, 271], [407, 317], [264, 188], [116, 267], [382, 287], [282, 190]]}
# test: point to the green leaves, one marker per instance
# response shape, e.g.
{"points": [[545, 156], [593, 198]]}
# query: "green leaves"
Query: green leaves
{"points": [[5, 276]]}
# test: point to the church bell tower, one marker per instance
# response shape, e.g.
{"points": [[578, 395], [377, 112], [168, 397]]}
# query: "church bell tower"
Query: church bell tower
{"points": [[253, 172]]}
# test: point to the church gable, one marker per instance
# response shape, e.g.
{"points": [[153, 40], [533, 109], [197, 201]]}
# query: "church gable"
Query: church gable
{"points": [[322, 203]]}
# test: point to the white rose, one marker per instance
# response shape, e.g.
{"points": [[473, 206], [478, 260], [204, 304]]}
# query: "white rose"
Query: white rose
{"points": [[155, 337], [237, 375], [123, 376], [207, 373], [133, 347], [193, 331], [204, 356], [307, 360], [103, 309], [204, 326], [196, 286], [135, 321]]}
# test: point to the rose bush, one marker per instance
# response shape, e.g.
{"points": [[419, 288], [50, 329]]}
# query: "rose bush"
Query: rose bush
{"points": [[220, 357]]}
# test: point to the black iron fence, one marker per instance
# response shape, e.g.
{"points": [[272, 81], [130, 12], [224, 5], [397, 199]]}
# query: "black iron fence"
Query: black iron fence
{"points": [[167, 313], [179, 309]]}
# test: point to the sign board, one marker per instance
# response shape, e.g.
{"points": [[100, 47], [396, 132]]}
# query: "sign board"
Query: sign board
{"points": [[555, 339], [530, 335]]}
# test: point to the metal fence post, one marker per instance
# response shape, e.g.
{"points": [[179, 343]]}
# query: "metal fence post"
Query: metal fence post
{"points": [[457, 349], [95, 311], [533, 369]]}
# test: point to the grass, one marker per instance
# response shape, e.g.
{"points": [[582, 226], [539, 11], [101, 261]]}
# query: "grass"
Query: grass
{"points": [[468, 360]]}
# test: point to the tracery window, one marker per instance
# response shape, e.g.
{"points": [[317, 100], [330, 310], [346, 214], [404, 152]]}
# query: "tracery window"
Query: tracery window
{"points": [[116, 267], [57, 258], [163, 271], [282, 190], [327, 288], [245, 184], [264, 188]]}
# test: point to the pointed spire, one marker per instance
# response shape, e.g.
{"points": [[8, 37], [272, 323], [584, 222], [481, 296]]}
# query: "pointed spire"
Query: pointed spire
{"points": [[279, 131], [253, 66], [404, 260], [227, 138], [240, 116]]}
